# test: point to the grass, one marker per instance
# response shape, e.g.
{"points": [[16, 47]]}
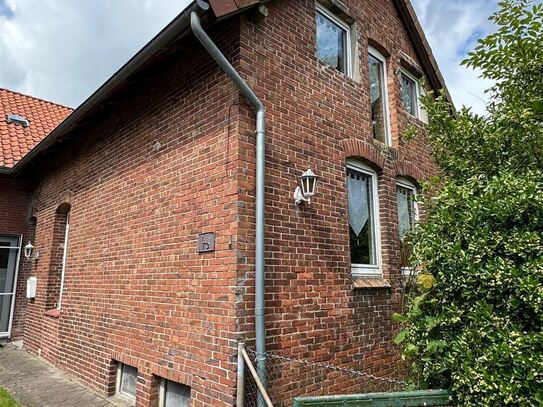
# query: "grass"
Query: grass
{"points": [[6, 400]]}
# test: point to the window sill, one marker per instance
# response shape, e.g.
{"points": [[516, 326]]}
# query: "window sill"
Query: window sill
{"points": [[418, 120], [53, 313], [120, 400], [369, 282]]}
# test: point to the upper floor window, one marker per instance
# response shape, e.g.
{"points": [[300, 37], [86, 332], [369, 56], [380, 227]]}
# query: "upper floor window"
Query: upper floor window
{"points": [[379, 96], [363, 219], [333, 41], [407, 206], [411, 91]]}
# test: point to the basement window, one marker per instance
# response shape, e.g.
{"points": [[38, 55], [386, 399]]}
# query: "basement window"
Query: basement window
{"points": [[17, 119], [333, 41], [127, 377], [174, 394]]}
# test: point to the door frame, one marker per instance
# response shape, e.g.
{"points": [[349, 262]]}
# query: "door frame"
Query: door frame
{"points": [[15, 281]]}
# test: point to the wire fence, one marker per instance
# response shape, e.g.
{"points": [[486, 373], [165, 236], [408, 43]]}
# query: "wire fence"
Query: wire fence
{"points": [[289, 378]]}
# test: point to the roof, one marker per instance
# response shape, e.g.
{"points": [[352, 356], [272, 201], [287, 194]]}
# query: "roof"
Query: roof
{"points": [[168, 39], [422, 47], [17, 140]]}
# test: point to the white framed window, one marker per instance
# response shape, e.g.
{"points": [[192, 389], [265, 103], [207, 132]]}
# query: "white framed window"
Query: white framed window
{"points": [[411, 92], [174, 394], [408, 214], [364, 228], [379, 96], [127, 378], [334, 46]]}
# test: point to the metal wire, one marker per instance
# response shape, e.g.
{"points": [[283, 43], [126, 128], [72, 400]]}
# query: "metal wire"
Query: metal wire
{"points": [[290, 377]]}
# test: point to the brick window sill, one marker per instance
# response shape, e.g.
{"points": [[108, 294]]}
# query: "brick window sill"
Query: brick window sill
{"points": [[369, 282], [53, 313]]}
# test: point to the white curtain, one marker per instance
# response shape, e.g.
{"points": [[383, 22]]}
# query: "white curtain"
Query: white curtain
{"points": [[357, 191]]}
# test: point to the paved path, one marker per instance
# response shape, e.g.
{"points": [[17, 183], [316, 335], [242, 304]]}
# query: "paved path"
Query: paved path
{"points": [[35, 383]]}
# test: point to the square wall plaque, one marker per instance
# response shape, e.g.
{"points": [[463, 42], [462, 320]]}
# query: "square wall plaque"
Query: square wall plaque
{"points": [[206, 242]]}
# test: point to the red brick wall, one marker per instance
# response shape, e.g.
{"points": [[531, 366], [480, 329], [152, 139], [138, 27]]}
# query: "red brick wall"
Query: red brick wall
{"points": [[142, 182], [318, 118], [14, 195], [174, 157]]}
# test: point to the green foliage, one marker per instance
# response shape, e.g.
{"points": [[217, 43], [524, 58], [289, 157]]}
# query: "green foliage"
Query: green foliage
{"points": [[474, 319], [6, 400]]}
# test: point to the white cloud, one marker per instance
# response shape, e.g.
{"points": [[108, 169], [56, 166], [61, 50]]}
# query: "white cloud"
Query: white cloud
{"points": [[63, 50], [452, 28]]}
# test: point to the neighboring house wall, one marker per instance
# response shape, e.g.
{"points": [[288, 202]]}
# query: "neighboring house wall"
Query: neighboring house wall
{"points": [[140, 184], [317, 118], [14, 221]]}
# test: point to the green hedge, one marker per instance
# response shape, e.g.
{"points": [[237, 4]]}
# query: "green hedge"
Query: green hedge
{"points": [[474, 318]]}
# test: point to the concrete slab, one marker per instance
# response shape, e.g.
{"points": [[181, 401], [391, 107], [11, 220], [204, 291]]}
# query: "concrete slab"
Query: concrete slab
{"points": [[35, 383]]}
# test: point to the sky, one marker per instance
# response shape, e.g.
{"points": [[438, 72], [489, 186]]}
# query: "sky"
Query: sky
{"points": [[63, 50]]}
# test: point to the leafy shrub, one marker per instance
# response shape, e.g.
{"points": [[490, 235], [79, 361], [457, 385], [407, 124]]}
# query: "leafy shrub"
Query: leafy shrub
{"points": [[474, 320]]}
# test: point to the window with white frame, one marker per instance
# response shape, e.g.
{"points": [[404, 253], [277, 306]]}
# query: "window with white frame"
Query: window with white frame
{"points": [[333, 41], [406, 193], [379, 96], [411, 92], [174, 394], [364, 234], [127, 378]]}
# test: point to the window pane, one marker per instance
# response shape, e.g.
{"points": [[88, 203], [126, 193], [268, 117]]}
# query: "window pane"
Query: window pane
{"points": [[361, 219], [331, 39], [377, 94], [129, 377], [406, 209], [177, 395], [409, 95]]}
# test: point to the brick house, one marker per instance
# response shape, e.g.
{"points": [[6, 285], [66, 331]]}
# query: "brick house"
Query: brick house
{"points": [[143, 209]]}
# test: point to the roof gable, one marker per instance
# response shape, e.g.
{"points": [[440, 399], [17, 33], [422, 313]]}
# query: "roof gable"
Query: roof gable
{"points": [[16, 151]]}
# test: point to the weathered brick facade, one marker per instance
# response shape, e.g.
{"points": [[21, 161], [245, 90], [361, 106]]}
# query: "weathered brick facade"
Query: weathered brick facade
{"points": [[318, 118], [173, 156]]}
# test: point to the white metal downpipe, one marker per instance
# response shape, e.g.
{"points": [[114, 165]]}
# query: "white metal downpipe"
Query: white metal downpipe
{"points": [[220, 59]]}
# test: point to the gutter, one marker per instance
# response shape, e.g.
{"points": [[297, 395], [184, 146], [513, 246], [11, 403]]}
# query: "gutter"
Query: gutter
{"points": [[159, 43], [220, 59]]}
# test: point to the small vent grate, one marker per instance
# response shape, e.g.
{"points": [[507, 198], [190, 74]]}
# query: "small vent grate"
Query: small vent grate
{"points": [[16, 119]]}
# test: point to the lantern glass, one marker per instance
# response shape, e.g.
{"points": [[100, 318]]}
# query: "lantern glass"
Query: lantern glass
{"points": [[28, 250], [309, 183]]}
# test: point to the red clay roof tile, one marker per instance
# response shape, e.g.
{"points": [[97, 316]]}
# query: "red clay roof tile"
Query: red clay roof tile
{"points": [[15, 140]]}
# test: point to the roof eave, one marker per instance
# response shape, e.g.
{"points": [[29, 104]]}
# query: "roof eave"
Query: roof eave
{"points": [[175, 29], [422, 47]]}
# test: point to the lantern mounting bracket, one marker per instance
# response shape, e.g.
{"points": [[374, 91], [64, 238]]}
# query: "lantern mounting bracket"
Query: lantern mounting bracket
{"points": [[299, 197]]}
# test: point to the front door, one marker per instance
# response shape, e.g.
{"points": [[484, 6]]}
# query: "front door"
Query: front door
{"points": [[10, 248]]}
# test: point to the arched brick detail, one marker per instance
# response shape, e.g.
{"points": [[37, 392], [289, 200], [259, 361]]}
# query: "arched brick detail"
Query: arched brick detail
{"points": [[407, 169], [358, 149], [65, 198]]}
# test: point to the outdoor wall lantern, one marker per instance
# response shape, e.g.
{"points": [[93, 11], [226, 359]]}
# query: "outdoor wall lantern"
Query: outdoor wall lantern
{"points": [[306, 190], [29, 250]]}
